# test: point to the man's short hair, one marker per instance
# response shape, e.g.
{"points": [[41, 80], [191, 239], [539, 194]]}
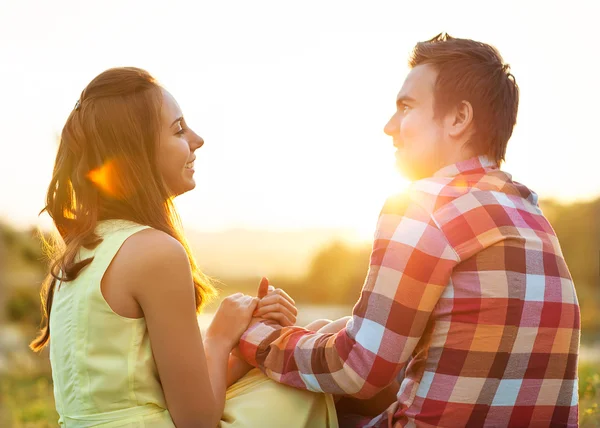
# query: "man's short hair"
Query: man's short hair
{"points": [[473, 71]]}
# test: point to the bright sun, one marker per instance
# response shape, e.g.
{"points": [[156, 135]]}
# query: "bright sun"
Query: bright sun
{"points": [[392, 182]]}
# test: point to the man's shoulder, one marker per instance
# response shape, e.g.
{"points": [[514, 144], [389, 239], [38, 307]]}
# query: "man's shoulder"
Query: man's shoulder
{"points": [[428, 194], [475, 210], [446, 198], [471, 191]]}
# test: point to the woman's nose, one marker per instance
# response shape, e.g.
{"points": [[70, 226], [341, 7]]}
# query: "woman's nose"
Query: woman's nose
{"points": [[196, 141]]}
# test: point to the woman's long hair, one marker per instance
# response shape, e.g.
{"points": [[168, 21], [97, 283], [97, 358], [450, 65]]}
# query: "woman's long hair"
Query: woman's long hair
{"points": [[106, 168]]}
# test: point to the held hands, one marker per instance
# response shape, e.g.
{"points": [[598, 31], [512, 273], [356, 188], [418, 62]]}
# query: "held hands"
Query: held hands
{"points": [[275, 304], [231, 319], [238, 311]]}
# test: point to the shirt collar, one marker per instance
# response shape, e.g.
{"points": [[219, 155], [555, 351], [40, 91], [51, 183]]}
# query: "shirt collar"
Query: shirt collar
{"points": [[479, 164]]}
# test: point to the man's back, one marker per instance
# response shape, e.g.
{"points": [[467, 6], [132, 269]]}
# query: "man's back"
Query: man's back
{"points": [[503, 338], [467, 288]]}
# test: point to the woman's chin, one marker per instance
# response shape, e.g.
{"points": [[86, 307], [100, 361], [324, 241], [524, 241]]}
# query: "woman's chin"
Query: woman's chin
{"points": [[190, 184], [186, 186]]}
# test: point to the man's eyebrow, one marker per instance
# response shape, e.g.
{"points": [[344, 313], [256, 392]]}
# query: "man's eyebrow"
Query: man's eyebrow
{"points": [[402, 99], [180, 118]]}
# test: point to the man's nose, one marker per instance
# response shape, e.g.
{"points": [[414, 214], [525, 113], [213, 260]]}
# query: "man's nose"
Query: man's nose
{"points": [[391, 127]]}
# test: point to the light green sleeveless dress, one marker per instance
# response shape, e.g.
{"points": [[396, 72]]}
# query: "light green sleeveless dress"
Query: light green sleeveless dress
{"points": [[102, 365], [104, 372]]}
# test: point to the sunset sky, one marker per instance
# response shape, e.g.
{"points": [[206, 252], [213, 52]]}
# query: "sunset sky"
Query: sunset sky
{"points": [[291, 96]]}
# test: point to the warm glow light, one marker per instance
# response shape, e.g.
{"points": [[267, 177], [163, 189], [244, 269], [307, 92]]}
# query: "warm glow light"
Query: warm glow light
{"points": [[292, 118], [366, 218], [106, 179]]}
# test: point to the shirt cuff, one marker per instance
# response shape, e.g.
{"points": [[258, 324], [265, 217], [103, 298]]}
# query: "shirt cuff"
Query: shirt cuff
{"points": [[251, 340]]}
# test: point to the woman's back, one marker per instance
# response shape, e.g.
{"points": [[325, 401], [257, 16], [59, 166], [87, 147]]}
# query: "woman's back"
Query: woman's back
{"points": [[102, 363]]}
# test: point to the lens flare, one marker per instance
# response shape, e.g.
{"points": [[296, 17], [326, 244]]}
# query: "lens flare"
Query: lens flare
{"points": [[107, 179]]}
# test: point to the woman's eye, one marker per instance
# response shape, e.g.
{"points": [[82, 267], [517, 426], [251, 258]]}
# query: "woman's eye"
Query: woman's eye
{"points": [[180, 132], [405, 108]]}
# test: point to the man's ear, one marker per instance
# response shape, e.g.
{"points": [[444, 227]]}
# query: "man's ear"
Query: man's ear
{"points": [[462, 119]]}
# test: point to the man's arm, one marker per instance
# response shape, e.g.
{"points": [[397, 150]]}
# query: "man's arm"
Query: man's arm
{"points": [[411, 264]]}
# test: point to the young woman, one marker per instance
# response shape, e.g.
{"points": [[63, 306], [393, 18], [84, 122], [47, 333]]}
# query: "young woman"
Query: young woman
{"points": [[123, 292]]}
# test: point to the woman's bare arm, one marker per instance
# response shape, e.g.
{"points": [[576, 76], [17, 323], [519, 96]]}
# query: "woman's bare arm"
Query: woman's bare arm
{"points": [[159, 276]]}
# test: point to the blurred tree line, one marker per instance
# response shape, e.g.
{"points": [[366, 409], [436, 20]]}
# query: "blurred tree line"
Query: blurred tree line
{"points": [[337, 272], [578, 229], [335, 275], [22, 268]]}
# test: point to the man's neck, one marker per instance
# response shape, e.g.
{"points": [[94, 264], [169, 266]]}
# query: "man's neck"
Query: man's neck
{"points": [[460, 155]]}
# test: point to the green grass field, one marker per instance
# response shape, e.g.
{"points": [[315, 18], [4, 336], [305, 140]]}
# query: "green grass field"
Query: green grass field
{"points": [[27, 401]]}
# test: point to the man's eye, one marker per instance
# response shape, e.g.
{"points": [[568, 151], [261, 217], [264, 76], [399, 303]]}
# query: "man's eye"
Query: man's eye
{"points": [[402, 107]]}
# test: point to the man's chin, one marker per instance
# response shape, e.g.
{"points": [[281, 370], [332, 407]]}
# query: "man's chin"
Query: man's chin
{"points": [[410, 171], [404, 169]]}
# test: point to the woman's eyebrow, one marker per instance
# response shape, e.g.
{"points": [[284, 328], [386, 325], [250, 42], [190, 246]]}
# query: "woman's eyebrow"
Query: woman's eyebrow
{"points": [[180, 118]]}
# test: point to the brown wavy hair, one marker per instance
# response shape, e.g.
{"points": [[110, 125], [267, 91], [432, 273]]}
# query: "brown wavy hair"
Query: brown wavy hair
{"points": [[106, 168]]}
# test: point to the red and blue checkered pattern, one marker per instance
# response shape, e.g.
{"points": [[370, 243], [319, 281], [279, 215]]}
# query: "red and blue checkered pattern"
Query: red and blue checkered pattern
{"points": [[467, 290]]}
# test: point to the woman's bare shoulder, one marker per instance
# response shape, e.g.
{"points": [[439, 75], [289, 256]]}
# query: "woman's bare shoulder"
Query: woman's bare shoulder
{"points": [[148, 256], [151, 244]]}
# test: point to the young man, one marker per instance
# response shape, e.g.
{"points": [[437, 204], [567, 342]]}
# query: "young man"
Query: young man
{"points": [[467, 287]]}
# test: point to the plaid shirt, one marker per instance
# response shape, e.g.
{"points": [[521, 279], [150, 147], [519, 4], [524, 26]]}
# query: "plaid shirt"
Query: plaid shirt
{"points": [[467, 290]]}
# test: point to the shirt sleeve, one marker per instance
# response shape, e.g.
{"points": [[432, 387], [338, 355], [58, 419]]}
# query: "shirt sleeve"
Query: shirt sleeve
{"points": [[411, 263]]}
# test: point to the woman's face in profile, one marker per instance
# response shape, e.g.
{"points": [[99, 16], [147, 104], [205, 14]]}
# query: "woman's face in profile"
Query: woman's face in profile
{"points": [[176, 148]]}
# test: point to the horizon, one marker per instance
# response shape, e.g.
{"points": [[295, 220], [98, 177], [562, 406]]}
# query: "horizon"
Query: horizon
{"points": [[351, 234], [543, 200]]}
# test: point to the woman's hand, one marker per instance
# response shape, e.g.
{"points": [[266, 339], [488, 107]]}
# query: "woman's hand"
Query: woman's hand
{"points": [[231, 320], [236, 368], [275, 304]]}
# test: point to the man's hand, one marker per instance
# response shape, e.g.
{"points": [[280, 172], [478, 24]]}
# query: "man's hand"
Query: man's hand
{"points": [[274, 304]]}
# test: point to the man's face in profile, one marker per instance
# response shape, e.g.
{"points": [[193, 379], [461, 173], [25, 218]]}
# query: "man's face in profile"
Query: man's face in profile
{"points": [[418, 137]]}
